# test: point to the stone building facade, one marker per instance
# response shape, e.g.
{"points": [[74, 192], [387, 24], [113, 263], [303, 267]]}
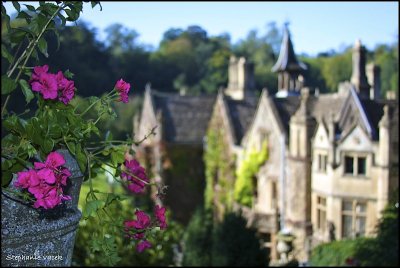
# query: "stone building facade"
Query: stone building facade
{"points": [[333, 158]]}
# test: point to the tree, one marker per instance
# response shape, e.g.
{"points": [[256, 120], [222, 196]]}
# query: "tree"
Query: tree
{"points": [[229, 243], [236, 245], [197, 239]]}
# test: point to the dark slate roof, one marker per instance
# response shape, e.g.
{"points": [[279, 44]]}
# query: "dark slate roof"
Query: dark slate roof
{"points": [[287, 60], [319, 107], [241, 113], [185, 118], [374, 111], [325, 104], [286, 107]]}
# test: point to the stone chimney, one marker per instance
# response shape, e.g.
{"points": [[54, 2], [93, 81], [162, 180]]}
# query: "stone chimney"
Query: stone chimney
{"points": [[358, 77], [241, 78], [374, 79]]}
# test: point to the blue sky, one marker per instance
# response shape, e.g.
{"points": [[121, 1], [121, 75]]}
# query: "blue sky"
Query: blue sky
{"points": [[315, 26]]}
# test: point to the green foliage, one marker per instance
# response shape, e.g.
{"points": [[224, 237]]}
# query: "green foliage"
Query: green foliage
{"points": [[387, 57], [107, 249], [334, 253], [229, 243], [236, 245], [384, 249], [197, 239], [218, 169], [244, 184]]}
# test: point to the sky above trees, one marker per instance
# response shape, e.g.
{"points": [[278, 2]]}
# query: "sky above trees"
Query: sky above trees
{"points": [[315, 26]]}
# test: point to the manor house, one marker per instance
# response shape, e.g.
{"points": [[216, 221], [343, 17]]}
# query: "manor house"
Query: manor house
{"points": [[332, 158]]}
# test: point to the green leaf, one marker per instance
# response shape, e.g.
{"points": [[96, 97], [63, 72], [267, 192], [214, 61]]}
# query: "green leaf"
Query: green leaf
{"points": [[5, 54], [58, 39], [30, 8], [48, 145], [117, 157], [94, 3], [91, 207], [7, 85], [26, 90], [30, 150], [6, 177], [68, 74], [7, 21], [63, 19], [16, 36], [95, 245], [35, 54], [80, 157], [24, 15], [109, 136], [71, 146], [113, 197], [16, 5], [42, 44], [71, 15]]}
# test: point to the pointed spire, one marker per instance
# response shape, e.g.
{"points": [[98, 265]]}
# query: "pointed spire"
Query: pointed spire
{"points": [[287, 60]]}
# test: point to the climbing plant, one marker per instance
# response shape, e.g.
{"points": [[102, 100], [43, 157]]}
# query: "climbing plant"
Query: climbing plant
{"points": [[219, 171], [244, 186]]}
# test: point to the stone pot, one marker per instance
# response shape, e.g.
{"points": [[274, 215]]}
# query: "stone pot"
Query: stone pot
{"points": [[39, 237]]}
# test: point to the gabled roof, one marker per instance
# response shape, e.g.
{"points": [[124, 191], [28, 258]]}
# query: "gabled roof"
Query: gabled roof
{"points": [[185, 118], [241, 113], [320, 107], [287, 60], [374, 111]]}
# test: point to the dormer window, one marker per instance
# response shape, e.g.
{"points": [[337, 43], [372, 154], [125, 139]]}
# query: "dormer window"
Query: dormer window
{"points": [[355, 165]]}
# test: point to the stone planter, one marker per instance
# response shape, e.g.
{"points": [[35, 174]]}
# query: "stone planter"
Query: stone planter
{"points": [[284, 246], [38, 237]]}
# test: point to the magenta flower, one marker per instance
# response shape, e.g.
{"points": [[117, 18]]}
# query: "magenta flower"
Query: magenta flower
{"points": [[66, 88], [47, 175], [46, 85], [143, 245], [45, 181], [27, 179], [138, 236], [37, 71], [136, 175], [52, 86], [49, 200], [160, 216], [142, 221], [123, 89], [53, 161]]}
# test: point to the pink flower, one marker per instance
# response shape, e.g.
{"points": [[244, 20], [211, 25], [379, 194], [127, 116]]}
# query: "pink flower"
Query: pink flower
{"points": [[38, 70], [46, 181], [64, 175], [47, 175], [142, 221], [141, 246], [27, 179], [49, 200], [52, 86], [53, 161], [138, 236], [66, 88], [123, 89], [46, 85], [136, 174], [160, 215]]}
